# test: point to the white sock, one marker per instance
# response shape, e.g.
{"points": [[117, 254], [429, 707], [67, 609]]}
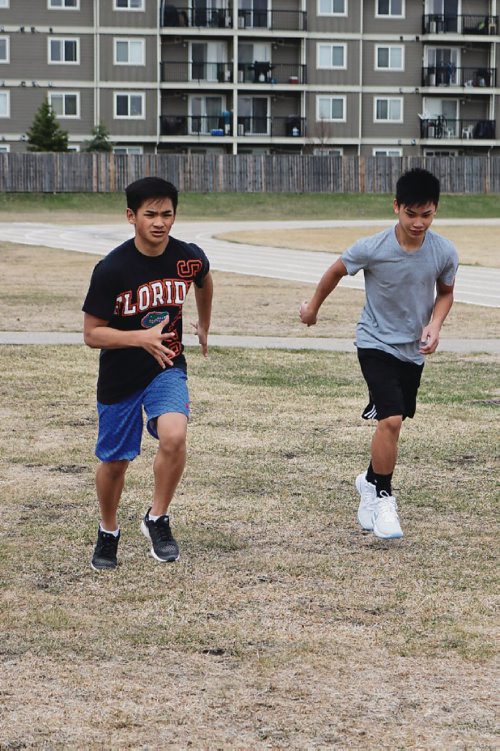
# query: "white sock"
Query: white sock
{"points": [[115, 532], [155, 518]]}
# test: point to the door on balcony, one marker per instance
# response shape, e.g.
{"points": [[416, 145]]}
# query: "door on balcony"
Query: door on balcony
{"points": [[205, 113], [443, 61], [209, 62], [443, 117], [208, 13], [248, 55], [253, 115], [446, 12], [253, 13]]}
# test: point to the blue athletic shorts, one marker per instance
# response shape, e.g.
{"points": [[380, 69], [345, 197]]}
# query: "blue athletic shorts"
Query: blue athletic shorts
{"points": [[121, 424]]}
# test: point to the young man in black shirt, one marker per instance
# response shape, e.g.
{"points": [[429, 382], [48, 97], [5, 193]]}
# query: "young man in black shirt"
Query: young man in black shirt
{"points": [[133, 314]]}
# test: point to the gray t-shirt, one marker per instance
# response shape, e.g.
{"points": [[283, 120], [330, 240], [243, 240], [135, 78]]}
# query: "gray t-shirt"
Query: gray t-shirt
{"points": [[400, 289]]}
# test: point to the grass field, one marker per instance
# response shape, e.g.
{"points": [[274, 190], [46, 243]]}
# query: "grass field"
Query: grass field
{"points": [[217, 206], [283, 626]]}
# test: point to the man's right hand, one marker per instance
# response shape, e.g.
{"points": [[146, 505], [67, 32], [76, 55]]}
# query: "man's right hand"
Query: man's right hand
{"points": [[307, 315], [152, 340]]}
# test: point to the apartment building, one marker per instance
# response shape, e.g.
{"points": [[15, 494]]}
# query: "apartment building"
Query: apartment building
{"points": [[372, 77]]}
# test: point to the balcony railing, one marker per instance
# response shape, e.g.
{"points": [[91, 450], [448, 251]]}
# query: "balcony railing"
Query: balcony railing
{"points": [[222, 18], [464, 129], [439, 23], [449, 75], [222, 72], [292, 126]]}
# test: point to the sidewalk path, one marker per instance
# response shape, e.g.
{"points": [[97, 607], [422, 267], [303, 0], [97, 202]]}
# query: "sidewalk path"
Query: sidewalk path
{"points": [[475, 285], [254, 342]]}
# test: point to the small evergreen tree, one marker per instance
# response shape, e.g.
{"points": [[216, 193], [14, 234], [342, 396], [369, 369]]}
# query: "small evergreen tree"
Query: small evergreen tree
{"points": [[100, 140], [45, 133]]}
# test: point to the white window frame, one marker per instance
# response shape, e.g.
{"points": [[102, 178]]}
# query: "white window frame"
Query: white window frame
{"points": [[389, 99], [4, 148], [126, 150], [390, 15], [342, 119], [6, 94], [62, 6], [328, 151], [129, 94], [63, 116], [128, 41], [74, 147], [397, 151], [63, 40], [4, 4], [332, 12], [129, 9], [343, 46], [5, 39], [390, 47]]}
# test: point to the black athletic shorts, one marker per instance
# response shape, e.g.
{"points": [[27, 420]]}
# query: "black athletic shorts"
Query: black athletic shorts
{"points": [[392, 384]]}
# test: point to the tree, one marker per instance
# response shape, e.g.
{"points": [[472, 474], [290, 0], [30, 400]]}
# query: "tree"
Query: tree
{"points": [[100, 140], [45, 133]]}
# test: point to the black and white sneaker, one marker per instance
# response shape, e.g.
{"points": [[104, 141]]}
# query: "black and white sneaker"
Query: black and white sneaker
{"points": [[105, 551], [163, 545]]}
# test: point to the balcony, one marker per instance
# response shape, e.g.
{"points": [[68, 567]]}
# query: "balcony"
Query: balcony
{"points": [[449, 75], [217, 126], [442, 23], [172, 16], [440, 127], [222, 72]]}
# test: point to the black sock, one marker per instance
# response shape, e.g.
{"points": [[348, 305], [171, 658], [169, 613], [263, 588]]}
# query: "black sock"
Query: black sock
{"points": [[370, 474], [383, 483]]}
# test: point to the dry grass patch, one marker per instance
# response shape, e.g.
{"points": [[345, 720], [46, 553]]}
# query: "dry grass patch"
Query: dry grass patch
{"points": [[283, 626], [476, 245], [243, 305]]}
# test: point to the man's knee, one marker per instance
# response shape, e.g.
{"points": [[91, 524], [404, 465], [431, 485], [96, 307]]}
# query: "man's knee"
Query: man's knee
{"points": [[391, 424], [172, 430], [114, 470]]}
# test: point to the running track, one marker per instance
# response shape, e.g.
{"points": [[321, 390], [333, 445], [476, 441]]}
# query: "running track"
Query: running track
{"points": [[475, 285]]}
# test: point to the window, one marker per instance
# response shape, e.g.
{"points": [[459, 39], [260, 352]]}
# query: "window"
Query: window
{"points": [[389, 58], [332, 7], [330, 108], [206, 113], [65, 104], [128, 150], [325, 151], [4, 3], [253, 115], [130, 106], [388, 110], [4, 148], [331, 56], [72, 4], [129, 5], [73, 147], [394, 8], [4, 103], [129, 52], [65, 51], [387, 152], [4, 49]]}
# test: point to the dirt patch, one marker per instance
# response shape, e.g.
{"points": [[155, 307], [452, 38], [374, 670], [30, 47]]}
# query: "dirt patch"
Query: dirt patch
{"points": [[475, 245]]}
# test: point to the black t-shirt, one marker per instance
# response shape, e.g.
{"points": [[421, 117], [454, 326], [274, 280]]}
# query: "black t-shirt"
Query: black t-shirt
{"points": [[134, 291]]}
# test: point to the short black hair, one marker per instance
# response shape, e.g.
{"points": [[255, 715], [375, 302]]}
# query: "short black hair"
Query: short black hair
{"points": [[147, 188], [416, 187]]}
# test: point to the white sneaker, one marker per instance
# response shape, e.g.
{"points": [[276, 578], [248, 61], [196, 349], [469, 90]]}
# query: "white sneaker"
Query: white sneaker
{"points": [[385, 518], [368, 502]]}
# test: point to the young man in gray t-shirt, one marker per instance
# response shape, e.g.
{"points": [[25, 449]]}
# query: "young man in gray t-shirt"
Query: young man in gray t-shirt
{"points": [[409, 277]]}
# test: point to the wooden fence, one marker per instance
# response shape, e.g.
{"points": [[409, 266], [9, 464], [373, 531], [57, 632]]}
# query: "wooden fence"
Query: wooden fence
{"points": [[205, 173]]}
